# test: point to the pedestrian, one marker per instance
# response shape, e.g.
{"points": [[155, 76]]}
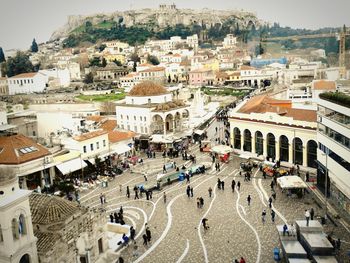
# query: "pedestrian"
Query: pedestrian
{"points": [[128, 192], [147, 195], [272, 185], [164, 169], [111, 217], [198, 202], [210, 190], [236, 261], [263, 215], [270, 202], [188, 191], [132, 233], [242, 260], [273, 215], [219, 183], [125, 239], [338, 244], [307, 177], [238, 185], [148, 234], [274, 195], [120, 260], [135, 253], [204, 223], [120, 188], [154, 154], [223, 185], [201, 202], [150, 194], [191, 191], [164, 197], [312, 213], [249, 199], [264, 174], [101, 198], [145, 177], [136, 192], [233, 185], [145, 240], [285, 229], [292, 230], [307, 217]]}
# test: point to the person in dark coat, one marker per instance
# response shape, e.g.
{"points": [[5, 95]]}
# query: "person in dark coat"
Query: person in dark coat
{"points": [[238, 185], [223, 185], [312, 213], [111, 218], [233, 185], [148, 234], [145, 240], [132, 233], [128, 192]]}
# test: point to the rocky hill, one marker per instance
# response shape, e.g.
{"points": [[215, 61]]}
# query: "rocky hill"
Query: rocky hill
{"points": [[160, 18]]}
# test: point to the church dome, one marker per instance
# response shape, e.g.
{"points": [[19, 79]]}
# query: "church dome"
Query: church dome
{"points": [[147, 88]]}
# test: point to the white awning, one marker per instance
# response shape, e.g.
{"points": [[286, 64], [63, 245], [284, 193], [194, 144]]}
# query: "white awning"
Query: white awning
{"points": [[71, 166], [291, 182], [120, 148], [199, 132]]}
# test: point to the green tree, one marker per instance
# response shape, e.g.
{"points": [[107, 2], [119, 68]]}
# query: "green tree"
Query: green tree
{"points": [[104, 62], [19, 64], [89, 78], [153, 60], [95, 61], [2, 55], [102, 47], [34, 47], [117, 62], [259, 50]]}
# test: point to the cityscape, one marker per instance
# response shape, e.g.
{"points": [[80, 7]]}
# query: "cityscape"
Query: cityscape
{"points": [[175, 132]]}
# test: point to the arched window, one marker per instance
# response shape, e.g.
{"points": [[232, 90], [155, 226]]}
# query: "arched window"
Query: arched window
{"points": [[14, 225], [22, 226], [259, 140], [237, 138], [298, 151], [271, 146], [247, 146], [311, 154], [284, 149]]}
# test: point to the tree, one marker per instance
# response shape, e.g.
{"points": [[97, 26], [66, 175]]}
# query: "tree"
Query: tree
{"points": [[34, 47], [102, 47], [89, 78], [2, 55], [117, 62], [259, 50], [95, 61], [19, 64], [104, 62], [153, 60]]}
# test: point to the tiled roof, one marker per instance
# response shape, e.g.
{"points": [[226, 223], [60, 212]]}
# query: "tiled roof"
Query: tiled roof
{"points": [[46, 241], [108, 125], [11, 153], [202, 70], [96, 118], [324, 85], [47, 209], [89, 135], [24, 75], [153, 69], [147, 88], [244, 67], [263, 104], [117, 136]]}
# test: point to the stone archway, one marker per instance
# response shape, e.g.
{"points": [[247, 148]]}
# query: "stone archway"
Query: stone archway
{"points": [[157, 124], [271, 146], [25, 259], [177, 121], [312, 154], [169, 123], [247, 145], [284, 148], [259, 143], [237, 138], [297, 151]]}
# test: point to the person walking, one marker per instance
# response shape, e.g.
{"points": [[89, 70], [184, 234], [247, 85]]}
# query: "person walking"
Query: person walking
{"points": [[201, 202], [136, 192], [191, 191], [285, 229], [249, 199], [210, 191], [242, 260], [204, 223], [272, 185], [101, 198], [238, 185], [132, 233], [145, 240], [233, 185], [188, 191], [273, 215], [307, 217], [148, 234], [111, 217], [312, 213], [223, 185], [219, 183], [263, 216], [274, 195], [128, 192], [164, 197], [270, 202]]}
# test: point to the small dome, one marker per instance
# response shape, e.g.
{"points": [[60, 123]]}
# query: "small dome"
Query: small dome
{"points": [[147, 88]]}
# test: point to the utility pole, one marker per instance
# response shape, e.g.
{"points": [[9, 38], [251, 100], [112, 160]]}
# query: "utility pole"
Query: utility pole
{"points": [[342, 52]]}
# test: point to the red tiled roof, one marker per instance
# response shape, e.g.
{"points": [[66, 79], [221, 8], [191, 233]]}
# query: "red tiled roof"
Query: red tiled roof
{"points": [[11, 153], [117, 136], [263, 104], [244, 67], [89, 135], [153, 69], [96, 118], [324, 85], [24, 75], [108, 125]]}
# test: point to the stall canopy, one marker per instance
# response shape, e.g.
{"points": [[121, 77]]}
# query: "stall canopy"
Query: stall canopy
{"points": [[221, 149], [120, 148], [71, 166], [158, 138], [291, 182], [199, 132]]}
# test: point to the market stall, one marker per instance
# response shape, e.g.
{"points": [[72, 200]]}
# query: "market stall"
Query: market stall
{"points": [[292, 184], [222, 152]]}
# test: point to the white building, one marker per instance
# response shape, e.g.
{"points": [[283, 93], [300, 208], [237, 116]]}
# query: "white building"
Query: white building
{"points": [[3, 86], [73, 67], [229, 41], [333, 154], [272, 128], [27, 83], [61, 76], [192, 41], [149, 108]]}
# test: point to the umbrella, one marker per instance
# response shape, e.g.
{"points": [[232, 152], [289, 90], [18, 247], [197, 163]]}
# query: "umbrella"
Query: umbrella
{"points": [[221, 149]]}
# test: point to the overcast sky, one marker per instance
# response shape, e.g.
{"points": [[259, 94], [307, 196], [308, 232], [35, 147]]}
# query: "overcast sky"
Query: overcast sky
{"points": [[22, 20]]}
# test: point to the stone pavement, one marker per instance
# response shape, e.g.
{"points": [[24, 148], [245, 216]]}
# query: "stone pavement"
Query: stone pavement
{"points": [[236, 229]]}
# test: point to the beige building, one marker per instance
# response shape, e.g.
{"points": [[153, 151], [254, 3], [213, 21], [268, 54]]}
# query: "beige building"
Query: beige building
{"points": [[271, 128], [4, 89]]}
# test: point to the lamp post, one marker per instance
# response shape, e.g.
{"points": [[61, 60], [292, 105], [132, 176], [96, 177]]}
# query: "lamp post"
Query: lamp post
{"points": [[326, 180]]}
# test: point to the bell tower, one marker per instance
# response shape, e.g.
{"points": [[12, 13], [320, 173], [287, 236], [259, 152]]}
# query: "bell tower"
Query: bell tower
{"points": [[17, 240]]}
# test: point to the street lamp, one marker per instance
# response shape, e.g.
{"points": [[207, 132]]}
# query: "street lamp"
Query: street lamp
{"points": [[326, 179]]}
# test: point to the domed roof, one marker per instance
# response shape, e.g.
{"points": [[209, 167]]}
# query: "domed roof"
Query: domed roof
{"points": [[147, 88], [51, 209]]}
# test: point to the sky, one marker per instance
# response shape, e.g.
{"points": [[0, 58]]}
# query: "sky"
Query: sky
{"points": [[23, 20]]}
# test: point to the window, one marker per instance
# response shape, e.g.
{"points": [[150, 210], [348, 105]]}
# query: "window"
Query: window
{"points": [[22, 227], [127, 117], [140, 118], [121, 116], [134, 118], [128, 128], [104, 143], [146, 130], [27, 150], [84, 149], [141, 129], [14, 226], [91, 146], [97, 145], [135, 128]]}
